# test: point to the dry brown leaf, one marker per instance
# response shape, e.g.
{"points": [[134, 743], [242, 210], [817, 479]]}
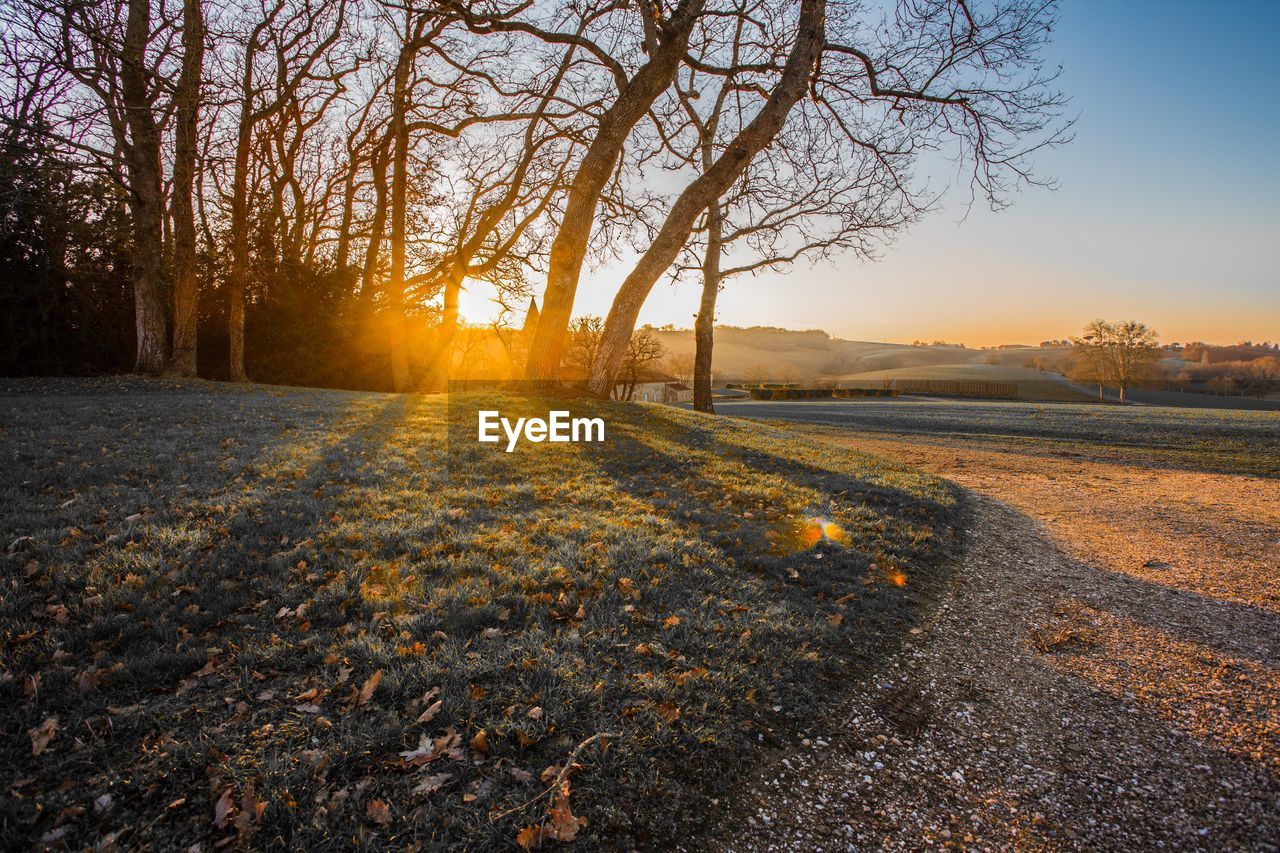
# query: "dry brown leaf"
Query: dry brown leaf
{"points": [[535, 713], [697, 672], [564, 825], [667, 711], [42, 734], [88, 680], [366, 692], [480, 743], [251, 809], [378, 812], [431, 784], [430, 714], [532, 836], [222, 809]]}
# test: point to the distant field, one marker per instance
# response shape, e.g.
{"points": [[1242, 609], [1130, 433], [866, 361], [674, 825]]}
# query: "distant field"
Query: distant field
{"points": [[1031, 384], [1203, 439], [783, 354]]}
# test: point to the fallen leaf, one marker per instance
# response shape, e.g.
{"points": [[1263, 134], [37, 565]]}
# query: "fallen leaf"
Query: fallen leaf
{"points": [[222, 809], [671, 621], [682, 677], [430, 714], [379, 812], [251, 809], [366, 692], [87, 680], [431, 784], [564, 824], [42, 734], [424, 753], [532, 836], [667, 711], [480, 743], [535, 713]]}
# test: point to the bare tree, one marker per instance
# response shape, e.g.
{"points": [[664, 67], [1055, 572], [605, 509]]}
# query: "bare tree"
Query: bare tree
{"points": [[298, 34], [185, 159], [584, 342], [643, 350], [791, 86], [681, 367], [107, 65], [664, 41], [937, 74], [1119, 353]]}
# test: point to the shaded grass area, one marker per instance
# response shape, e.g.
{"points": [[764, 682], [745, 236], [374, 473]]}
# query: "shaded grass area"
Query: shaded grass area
{"points": [[1229, 441], [240, 607]]}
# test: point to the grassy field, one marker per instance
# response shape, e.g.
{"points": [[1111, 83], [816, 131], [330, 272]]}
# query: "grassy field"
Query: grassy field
{"points": [[268, 616], [1199, 439], [1032, 384]]}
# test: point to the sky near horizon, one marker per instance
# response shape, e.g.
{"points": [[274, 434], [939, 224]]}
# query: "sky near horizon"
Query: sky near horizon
{"points": [[1167, 211]]}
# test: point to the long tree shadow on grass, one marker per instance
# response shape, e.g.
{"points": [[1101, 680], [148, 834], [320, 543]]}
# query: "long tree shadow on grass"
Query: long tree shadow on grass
{"points": [[286, 688]]}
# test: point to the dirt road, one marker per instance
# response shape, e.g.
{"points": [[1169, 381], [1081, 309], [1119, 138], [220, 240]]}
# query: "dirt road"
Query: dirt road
{"points": [[1105, 673]]}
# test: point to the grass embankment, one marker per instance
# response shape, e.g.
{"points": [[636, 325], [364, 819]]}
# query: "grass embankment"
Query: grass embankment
{"points": [[230, 613]]}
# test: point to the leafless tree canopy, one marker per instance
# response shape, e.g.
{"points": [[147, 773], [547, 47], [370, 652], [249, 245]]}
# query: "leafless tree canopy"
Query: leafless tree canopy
{"points": [[304, 188]]}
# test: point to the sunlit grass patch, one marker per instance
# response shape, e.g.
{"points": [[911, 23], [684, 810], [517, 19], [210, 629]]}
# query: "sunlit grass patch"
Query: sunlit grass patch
{"points": [[364, 631]]}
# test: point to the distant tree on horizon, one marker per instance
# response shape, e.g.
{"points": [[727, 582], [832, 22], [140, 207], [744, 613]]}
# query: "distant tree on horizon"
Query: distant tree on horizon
{"points": [[1118, 353]]}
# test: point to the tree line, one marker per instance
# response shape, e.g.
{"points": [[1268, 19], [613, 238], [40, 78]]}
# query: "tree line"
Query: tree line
{"points": [[300, 190]]}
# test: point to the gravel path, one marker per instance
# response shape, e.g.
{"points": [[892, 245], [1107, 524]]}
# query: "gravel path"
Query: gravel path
{"points": [[1066, 694]]}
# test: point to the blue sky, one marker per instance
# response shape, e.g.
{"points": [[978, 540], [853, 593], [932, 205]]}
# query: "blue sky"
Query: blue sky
{"points": [[1168, 209]]}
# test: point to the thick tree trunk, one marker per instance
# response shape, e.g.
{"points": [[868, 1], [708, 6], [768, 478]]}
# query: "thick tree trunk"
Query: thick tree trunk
{"points": [[441, 361], [570, 246], [704, 326], [146, 196], [239, 267], [399, 206], [185, 289], [703, 191]]}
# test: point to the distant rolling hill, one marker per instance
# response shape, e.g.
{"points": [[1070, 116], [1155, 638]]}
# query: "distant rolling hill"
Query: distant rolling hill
{"points": [[785, 355]]}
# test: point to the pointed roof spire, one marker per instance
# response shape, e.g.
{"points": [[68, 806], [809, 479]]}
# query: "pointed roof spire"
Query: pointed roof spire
{"points": [[531, 317]]}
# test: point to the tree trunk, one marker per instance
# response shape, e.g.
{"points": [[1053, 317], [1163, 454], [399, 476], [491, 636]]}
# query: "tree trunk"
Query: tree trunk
{"points": [[187, 97], [146, 196], [705, 190], [376, 227], [399, 205], [569, 248], [441, 360], [239, 267], [704, 326], [342, 258]]}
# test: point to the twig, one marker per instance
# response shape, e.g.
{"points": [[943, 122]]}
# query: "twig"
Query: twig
{"points": [[564, 771]]}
